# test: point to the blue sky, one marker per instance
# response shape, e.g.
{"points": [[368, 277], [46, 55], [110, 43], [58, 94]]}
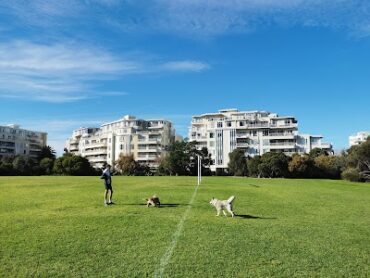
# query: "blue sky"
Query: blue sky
{"points": [[68, 63]]}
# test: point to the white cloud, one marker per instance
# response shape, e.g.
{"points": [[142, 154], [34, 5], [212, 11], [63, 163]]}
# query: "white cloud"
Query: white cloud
{"points": [[185, 66], [67, 72]]}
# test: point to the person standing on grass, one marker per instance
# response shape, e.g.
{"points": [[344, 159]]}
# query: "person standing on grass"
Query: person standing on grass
{"points": [[107, 177]]}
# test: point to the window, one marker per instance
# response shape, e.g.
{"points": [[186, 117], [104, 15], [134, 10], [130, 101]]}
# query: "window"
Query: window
{"points": [[228, 124], [241, 123], [219, 124], [265, 133], [211, 135], [121, 147]]}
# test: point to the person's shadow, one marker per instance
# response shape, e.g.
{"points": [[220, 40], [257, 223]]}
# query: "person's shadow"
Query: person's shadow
{"points": [[247, 216]]}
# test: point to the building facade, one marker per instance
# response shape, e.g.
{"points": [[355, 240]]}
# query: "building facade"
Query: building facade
{"points": [[358, 138], [145, 139], [17, 141], [255, 132]]}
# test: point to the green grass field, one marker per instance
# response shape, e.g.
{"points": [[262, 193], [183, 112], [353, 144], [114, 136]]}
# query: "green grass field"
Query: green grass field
{"points": [[58, 226]]}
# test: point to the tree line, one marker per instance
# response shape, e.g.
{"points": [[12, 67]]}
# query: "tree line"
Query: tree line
{"points": [[353, 164], [46, 164]]}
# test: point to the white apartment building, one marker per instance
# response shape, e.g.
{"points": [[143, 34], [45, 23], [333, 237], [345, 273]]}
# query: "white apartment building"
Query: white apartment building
{"points": [[255, 132], [357, 139], [17, 141], [145, 139]]}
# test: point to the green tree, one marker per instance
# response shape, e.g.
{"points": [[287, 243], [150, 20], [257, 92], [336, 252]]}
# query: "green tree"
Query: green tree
{"points": [[46, 165], [22, 165], [73, 165], [252, 166], [301, 166], [317, 152], [6, 166], [274, 165], [193, 154], [181, 159], [238, 163], [329, 166], [47, 152], [359, 158]]}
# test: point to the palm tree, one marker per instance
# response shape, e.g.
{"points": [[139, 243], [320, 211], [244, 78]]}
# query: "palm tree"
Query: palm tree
{"points": [[47, 152]]}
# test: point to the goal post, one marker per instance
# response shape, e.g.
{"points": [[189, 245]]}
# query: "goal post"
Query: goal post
{"points": [[199, 170]]}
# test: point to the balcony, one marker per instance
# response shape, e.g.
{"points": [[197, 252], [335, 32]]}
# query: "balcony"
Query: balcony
{"points": [[73, 149], [149, 150], [95, 152], [283, 145], [147, 158], [281, 135], [98, 159], [149, 142], [242, 145], [96, 145]]}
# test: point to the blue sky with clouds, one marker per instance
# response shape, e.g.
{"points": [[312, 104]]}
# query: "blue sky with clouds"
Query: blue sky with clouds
{"points": [[71, 63]]}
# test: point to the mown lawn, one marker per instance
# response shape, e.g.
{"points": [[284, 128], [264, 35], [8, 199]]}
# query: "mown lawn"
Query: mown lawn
{"points": [[59, 226]]}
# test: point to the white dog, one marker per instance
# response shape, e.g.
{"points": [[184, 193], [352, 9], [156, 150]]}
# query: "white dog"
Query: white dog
{"points": [[222, 205]]}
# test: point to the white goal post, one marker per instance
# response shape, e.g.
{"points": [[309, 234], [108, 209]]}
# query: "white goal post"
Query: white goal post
{"points": [[199, 170]]}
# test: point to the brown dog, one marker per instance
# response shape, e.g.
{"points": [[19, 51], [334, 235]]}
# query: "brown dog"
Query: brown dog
{"points": [[153, 201]]}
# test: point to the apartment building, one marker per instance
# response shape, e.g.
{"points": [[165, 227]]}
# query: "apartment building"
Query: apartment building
{"points": [[145, 139], [17, 141], [255, 132], [358, 138]]}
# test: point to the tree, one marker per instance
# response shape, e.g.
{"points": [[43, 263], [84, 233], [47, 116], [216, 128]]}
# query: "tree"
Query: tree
{"points": [[301, 166], [6, 166], [47, 152], [46, 165], [359, 157], [73, 165], [22, 165], [126, 165], [238, 163], [329, 166], [273, 165], [351, 174], [317, 152], [252, 166], [181, 159], [193, 154]]}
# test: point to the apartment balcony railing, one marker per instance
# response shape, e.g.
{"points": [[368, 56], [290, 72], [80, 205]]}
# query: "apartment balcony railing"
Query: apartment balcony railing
{"points": [[146, 157], [95, 152], [97, 159], [322, 146], [151, 150], [242, 145], [74, 141], [282, 145], [149, 142]]}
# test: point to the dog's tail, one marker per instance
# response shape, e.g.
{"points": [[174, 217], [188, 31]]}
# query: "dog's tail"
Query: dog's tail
{"points": [[231, 199]]}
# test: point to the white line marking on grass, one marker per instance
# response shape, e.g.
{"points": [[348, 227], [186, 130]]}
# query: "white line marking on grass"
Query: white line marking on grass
{"points": [[167, 256]]}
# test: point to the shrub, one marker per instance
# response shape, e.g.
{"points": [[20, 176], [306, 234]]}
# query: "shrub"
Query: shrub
{"points": [[351, 174]]}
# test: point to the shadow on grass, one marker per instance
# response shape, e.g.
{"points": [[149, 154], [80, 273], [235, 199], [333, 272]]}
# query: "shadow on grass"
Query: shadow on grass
{"points": [[247, 216]]}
